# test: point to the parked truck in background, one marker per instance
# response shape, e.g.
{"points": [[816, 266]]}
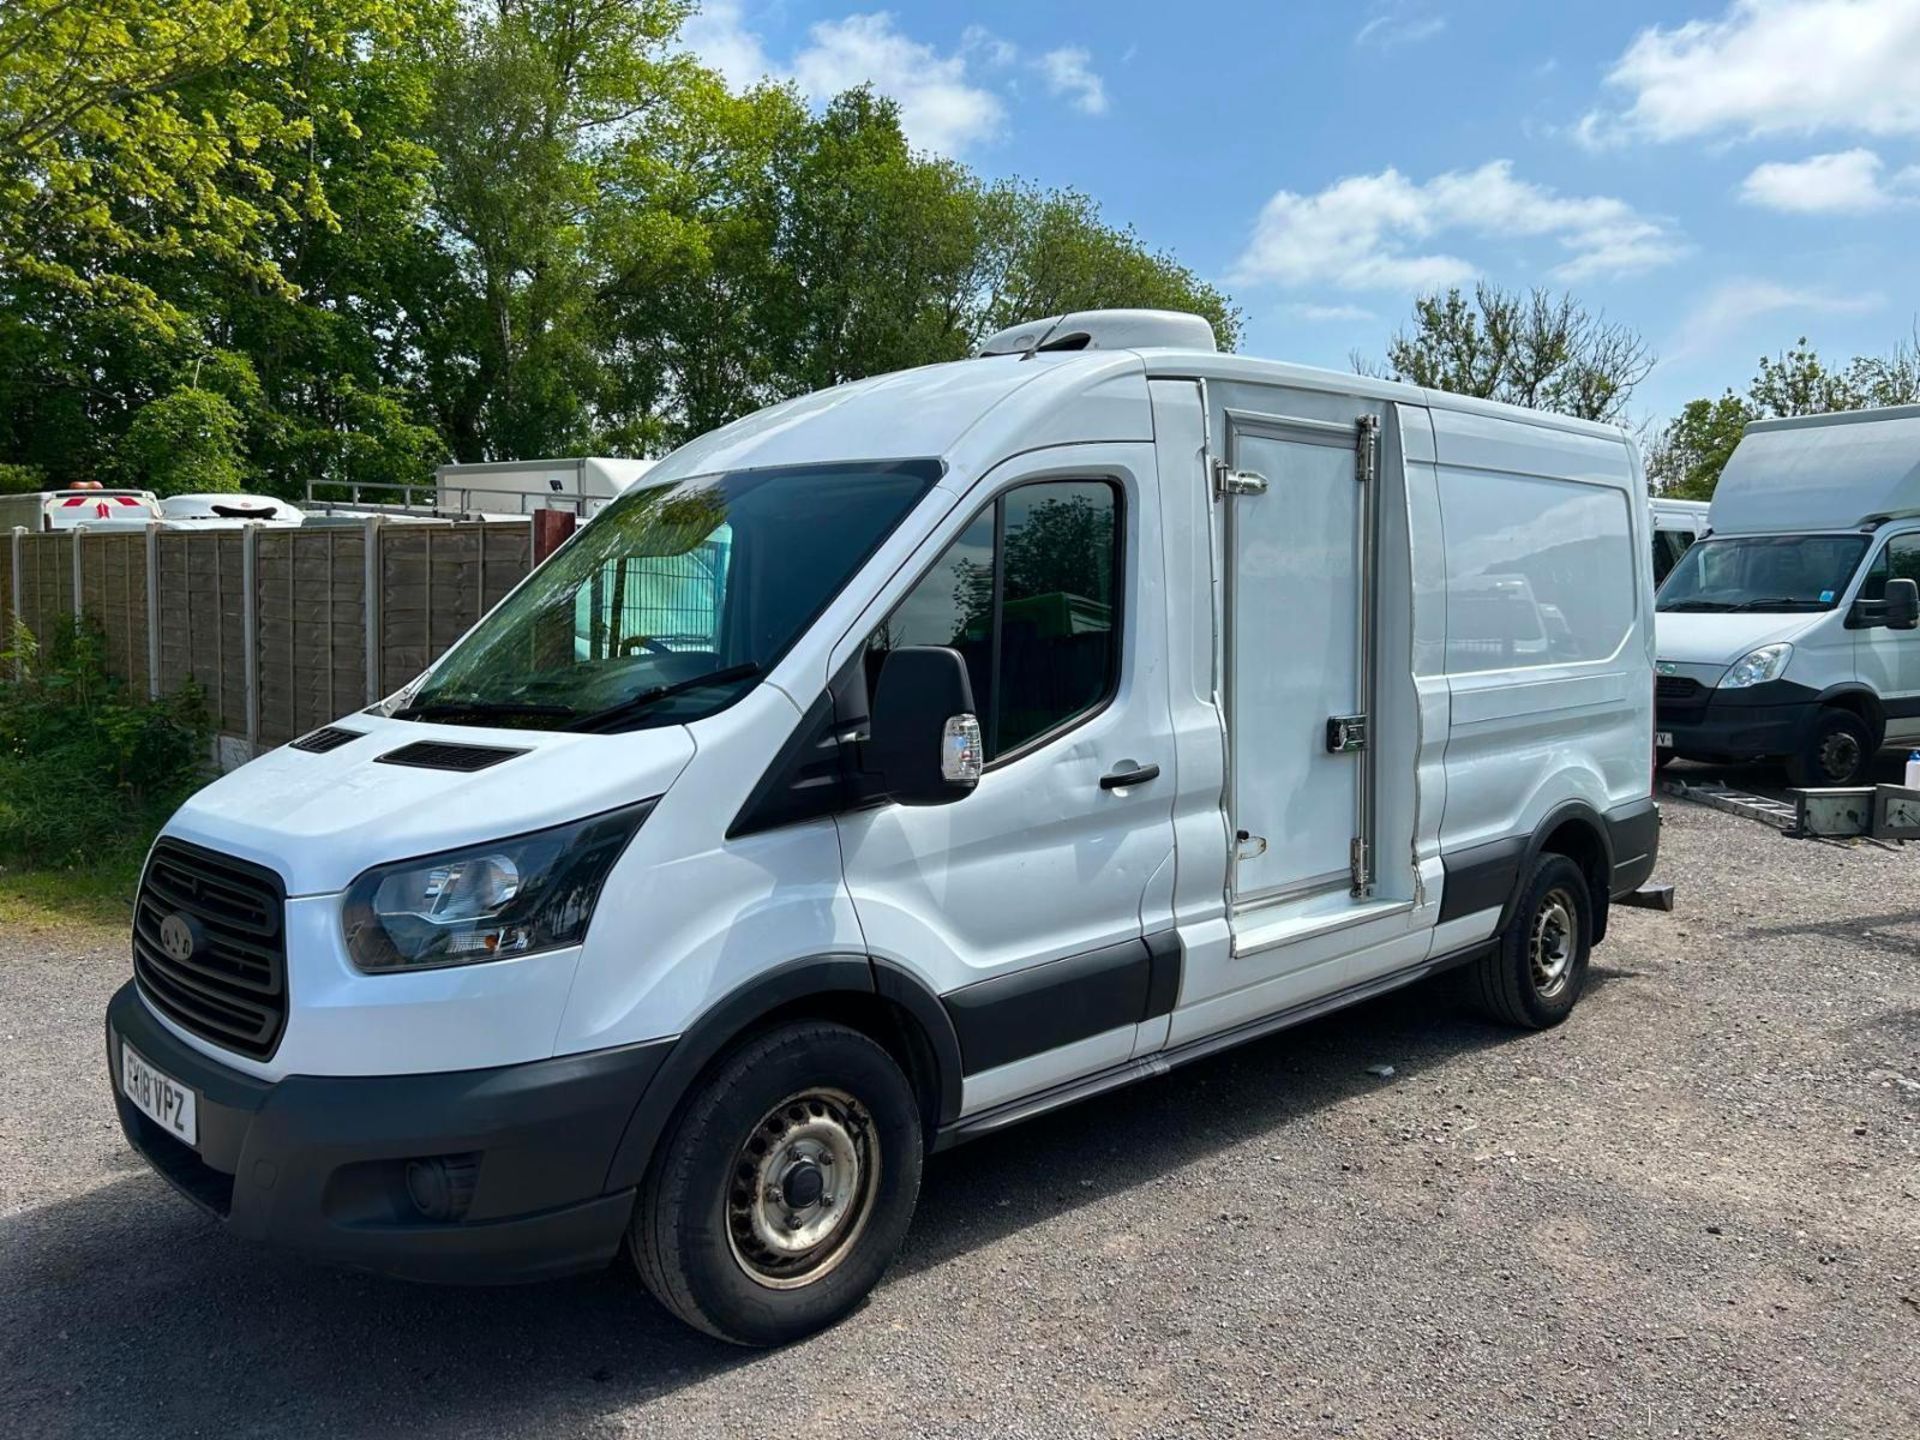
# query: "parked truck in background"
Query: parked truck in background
{"points": [[1789, 632]]}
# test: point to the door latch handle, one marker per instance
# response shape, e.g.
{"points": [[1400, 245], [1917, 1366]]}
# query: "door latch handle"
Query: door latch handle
{"points": [[1134, 775]]}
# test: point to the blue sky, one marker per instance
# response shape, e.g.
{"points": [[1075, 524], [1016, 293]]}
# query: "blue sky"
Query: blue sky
{"points": [[1723, 175]]}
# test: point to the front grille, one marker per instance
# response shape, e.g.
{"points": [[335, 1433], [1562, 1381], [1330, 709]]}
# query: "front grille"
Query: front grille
{"points": [[447, 755], [1679, 699], [329, 737], [232, 989]]}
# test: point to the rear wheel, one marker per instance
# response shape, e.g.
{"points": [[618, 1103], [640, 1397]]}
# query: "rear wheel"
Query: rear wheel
{"points": [[1838, 751], [1535, 973], [784, 1188]]}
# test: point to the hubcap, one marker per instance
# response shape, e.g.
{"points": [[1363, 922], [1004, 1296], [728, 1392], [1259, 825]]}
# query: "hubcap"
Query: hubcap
{"points": [[1551, 944], [803, 1184], [1839, 755]]}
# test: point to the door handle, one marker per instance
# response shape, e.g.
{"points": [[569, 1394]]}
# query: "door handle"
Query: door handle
{"points": [[1133, 775]]}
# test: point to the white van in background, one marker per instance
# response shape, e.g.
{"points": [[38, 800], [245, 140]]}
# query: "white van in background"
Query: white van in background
{"points": [[91, 504], [1676, 525], [1789, 632], [223, 510], [1028, 726]]}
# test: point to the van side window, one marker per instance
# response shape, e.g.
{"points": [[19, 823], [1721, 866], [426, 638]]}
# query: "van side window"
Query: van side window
{"points": [[1028, 595], [1899, 559], [1539, 570]]}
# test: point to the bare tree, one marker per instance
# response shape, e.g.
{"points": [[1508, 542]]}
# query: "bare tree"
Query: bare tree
{"points": [[1538, 349]]}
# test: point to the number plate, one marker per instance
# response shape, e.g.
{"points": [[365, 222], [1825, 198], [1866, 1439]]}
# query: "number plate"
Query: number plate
{"points": [[1663, 739], [164, 1100]]}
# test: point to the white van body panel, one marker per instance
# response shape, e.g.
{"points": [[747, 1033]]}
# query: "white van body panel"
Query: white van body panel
{"points": [[1039, 864]]}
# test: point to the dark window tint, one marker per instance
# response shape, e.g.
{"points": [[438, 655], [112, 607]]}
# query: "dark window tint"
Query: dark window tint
{"points": [[1668, 547], [1028, 594]]}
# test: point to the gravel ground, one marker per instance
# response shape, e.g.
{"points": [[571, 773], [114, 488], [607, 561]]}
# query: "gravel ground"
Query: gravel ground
{"points": [[1693, 1210]]}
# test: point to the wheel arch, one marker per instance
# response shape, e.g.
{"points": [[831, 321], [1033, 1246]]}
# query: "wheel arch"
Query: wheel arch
{"points": [[877, 998], [1860, 701], [1578, 831]]}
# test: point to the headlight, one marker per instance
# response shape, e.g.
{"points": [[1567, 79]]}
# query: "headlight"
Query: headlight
{"points": [[1769, 662], [486, 902]]}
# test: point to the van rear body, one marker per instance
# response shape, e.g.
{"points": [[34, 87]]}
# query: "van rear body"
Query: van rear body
{"points": [[882, 769]]}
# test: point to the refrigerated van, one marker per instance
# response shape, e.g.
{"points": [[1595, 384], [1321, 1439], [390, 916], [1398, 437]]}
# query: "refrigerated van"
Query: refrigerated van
{"points": [[1789, 632], [885, 768]]}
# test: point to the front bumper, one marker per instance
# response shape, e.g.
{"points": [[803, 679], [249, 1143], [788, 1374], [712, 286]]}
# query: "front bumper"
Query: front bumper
{"points": [[317, 1164], [1763, 720]]}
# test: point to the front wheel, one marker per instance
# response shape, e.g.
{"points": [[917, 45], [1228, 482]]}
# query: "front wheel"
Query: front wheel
{"points": [[784, 1188], [1838, 751], [1535, 973]]}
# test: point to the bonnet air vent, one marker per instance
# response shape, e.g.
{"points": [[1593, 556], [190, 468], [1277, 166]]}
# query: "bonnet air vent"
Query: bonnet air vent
{"points": [[330, 737], [444, 755]]}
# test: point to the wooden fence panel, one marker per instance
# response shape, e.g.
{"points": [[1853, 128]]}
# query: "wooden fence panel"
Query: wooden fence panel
{"points": [[203, 623], [113, 591], [46, 584], [310, 586], [436, 581], [7, 617]]}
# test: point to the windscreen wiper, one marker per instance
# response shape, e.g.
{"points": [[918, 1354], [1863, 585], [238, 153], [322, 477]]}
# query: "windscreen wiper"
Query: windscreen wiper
{"points": [[634, 704], [484, 710], [1695, 605], [1772, 600]]}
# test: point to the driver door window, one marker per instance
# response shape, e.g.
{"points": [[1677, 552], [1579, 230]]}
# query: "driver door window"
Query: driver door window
{"points": [[1028, 594]]}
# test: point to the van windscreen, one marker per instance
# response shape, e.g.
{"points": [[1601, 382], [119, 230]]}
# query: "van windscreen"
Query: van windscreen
{"points": [[1763, 572], [670, 604]]}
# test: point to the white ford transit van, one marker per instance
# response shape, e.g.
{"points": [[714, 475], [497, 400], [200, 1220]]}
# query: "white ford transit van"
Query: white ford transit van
{"points": [[1789, 631], [887, 767]]}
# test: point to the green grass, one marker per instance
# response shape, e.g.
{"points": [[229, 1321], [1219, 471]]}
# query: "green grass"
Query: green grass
{"points": [[97, 897]]}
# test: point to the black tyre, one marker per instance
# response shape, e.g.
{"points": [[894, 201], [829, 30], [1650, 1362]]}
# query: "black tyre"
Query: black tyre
{"points": [[1838, 750], [784, 1186], [1534, 975]]}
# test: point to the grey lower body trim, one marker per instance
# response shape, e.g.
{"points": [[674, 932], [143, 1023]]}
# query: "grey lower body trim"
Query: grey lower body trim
{"points": [[1145, 1067]]}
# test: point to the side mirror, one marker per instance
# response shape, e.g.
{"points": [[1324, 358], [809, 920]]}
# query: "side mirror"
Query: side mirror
{"points": [[1903, 605], [925, 741], [1898, 610]]}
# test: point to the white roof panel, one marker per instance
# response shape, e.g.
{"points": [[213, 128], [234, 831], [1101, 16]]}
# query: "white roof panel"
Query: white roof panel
{"points": [[1821, 472]]}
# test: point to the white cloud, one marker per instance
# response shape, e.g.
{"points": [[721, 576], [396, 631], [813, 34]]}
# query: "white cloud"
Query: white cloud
{"points": [[1770, 67], [939, 109], [1372, 232], [719, 35], [1069, 71], [1398, 23], [946, 104], [1331, 314], [1729, 307], [1847, 182]]}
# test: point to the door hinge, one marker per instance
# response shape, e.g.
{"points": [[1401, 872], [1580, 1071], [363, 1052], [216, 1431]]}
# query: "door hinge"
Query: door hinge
{"points": [[1361, 870], [1346, 733], [1366, 448], [1228, 481]]}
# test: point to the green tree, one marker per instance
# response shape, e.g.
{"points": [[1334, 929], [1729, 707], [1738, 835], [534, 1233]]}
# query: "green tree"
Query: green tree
{"points": [[1538, 349], [184, 442]]}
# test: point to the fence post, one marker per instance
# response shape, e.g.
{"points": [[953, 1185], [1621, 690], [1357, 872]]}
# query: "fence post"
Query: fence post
{"points": [[250, 631], [19, 594], [79, 540], [153, 609], [372, 607]]}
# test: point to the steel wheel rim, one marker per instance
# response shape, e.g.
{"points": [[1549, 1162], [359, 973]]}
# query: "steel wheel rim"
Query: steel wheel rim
{"points": [[1839, 755], [802, 1188], [1550, 944]]}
